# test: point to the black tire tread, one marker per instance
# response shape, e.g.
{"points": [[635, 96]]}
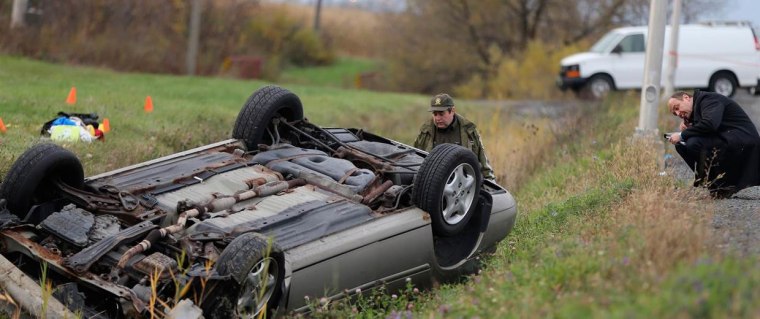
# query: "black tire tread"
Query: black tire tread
{"points": [[236, 260], [258, 110], [242, 253], [432, 176], [30, 161], [585, 91], [727, 75]]}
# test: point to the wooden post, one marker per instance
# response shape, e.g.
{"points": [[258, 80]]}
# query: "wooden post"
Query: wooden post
{"points": [[317, 14], [18, 12], [191, 58], [28, 294]]}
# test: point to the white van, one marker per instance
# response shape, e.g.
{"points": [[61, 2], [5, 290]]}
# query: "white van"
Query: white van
{"points": [[718, 56]]}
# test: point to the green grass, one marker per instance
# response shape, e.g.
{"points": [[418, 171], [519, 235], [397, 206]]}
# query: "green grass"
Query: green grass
{"points": [[188, 111], [343, 73], [599, 233], [600, 236]]}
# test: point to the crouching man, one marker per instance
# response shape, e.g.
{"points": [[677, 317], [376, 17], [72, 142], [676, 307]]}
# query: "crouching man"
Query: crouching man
{"points": [[720, 142]]}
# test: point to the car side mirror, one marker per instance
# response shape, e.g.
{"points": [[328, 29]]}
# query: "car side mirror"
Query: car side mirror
{"points": [[618, 49]]}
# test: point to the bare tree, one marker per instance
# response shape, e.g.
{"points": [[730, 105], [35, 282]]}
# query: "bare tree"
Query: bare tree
{"points": [[194, 35], [438, 44], [317, 14]]}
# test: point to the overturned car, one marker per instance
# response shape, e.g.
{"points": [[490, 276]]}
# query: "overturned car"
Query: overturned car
{"points": [[254, 224]]}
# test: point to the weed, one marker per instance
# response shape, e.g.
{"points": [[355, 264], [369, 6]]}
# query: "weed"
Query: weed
{"points": [[373, 303], [154, 277], [6, 298], [46, 286]]}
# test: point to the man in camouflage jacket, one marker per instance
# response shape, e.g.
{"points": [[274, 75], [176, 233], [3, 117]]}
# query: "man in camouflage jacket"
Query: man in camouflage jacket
{"points": [[448, 127]]}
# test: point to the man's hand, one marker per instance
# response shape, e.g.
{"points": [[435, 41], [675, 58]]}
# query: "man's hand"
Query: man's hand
{"points": [[675, 138], [683, 126]]}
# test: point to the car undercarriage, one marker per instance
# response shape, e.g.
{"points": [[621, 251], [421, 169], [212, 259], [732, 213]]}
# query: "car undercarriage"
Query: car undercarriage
{"points": [[233, 225]]}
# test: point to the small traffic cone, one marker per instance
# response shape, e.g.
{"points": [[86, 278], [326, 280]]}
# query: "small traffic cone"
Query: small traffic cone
{"points": [[106, 125], [148, 104], [72, 99], [2, 126]]}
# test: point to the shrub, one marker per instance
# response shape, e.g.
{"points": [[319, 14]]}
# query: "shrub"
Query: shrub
{"points": [[151, 36], [529, 75], [305, 48]]}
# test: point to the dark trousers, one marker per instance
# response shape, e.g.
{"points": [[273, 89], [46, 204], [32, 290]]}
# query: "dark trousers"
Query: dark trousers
{"points": [[706, 157]]}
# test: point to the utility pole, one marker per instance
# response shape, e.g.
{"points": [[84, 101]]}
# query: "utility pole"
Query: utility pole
{"points": [[317, 13], [191, 58], [675, 22], [17, 13], [650, 96]]}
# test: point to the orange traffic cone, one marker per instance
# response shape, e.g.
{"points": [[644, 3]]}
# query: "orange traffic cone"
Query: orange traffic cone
{"points": [[72, 99], [2, 126], [106, 125], [148, 104]]}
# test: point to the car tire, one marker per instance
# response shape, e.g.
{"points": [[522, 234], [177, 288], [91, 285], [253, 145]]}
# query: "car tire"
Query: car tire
{"points": [[447, 187], [258, 111], [723, 83], [247, 260], [597, 87], [33, 176]]}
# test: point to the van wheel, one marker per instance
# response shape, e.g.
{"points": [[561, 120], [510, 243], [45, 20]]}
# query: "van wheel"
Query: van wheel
{"points": [[597, 87], [723, 83]]}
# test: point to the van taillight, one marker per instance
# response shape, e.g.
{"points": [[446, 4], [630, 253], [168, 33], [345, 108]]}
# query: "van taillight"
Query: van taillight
{"points": [[757, 44]]}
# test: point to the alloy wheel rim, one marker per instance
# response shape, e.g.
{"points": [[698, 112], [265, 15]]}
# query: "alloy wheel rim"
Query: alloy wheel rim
{"points": [[258, 288], [458, 194], [600, 88], [724, 86]]}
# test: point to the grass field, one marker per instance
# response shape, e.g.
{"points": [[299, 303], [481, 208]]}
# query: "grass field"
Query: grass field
{"points": [[193, 111], [599, 234], [188, 111], [343, 74], [602, 235]]}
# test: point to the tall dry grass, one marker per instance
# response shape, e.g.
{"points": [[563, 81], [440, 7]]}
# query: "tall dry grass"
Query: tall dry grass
{"points": [[671, 223], [8, 304], [594, 255], [601, 232], [519, 140], [351, 31]]}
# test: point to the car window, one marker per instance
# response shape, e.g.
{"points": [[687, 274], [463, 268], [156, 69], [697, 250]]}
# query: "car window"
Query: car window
{"points": [[632, 43]]}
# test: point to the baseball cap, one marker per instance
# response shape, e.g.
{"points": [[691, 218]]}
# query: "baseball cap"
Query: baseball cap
{"points": [[441, 102]]}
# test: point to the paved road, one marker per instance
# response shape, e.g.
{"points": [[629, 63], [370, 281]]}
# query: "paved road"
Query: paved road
{"points": [[751, 105], [736, 222]]}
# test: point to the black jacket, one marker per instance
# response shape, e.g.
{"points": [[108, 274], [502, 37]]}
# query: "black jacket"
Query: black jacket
{"points": [[713, 114], [735, 142]]}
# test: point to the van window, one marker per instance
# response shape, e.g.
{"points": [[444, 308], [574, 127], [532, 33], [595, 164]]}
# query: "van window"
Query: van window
{"points": [[633, 43], [606, 43]]}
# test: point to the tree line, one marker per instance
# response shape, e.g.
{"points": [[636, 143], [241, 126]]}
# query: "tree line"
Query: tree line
{"points": [[473, 48]]}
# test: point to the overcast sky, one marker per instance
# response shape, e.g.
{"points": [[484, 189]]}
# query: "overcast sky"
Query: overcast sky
{"points": [[748, 10], [733, 10]]}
